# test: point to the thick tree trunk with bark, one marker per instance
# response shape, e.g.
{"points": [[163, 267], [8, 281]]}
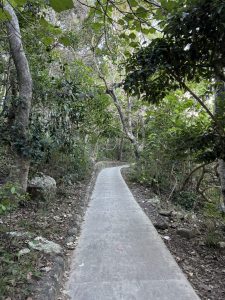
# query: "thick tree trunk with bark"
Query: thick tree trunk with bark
{"points": [[22, 105]]}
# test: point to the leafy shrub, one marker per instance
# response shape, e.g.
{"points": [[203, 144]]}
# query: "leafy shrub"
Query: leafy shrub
{"points": [[185, 199], [212, 239], [69, 163], [10, 196]]}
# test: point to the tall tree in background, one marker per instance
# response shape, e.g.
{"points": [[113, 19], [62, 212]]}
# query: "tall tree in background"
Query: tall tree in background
{"points": [[21, 106]]}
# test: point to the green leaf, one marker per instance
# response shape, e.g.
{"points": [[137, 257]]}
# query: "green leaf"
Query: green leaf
{"points": [[134, 44], [132, 36], [124, 36], [148, 30], [121, 22], [133, 3], [96, 26], [61, 5], [142, 12], [13, 189]]}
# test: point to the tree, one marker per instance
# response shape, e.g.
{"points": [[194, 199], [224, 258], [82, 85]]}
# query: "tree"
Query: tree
{"points": [[22, 105], [190, 50]]}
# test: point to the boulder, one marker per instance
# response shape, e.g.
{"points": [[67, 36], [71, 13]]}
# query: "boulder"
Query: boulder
{"points": [[161, 225], [165, 213], [23, 251], [186, 233], [42, 187], [42, 244]]}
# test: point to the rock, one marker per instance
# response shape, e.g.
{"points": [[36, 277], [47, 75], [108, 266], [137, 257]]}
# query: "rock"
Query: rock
{"points": [[166, 237], [70, 246], [42, 187], [221, 245], [45, 269], [154, 201], [73, 231], [201, 243], [20, 234], [42, 244], [161, 225], [178, 215], [165, 213], [23, 251], [174, 225], [186, 233], [70, 239]]}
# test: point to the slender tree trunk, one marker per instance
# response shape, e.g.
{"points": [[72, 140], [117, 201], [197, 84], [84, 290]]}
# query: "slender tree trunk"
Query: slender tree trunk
{"points": [[125, 126], [120, 149], [21, 106], [219, 112]]}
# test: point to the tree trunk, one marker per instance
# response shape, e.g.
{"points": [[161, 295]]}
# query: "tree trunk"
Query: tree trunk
{"points": [[128, 131], [120, 150], [21, 106], [219, 111], [221, 172]]}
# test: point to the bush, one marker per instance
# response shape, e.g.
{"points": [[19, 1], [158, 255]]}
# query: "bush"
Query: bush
{"points": [[186, 199], [10, 196], [73, 164], [212, 239]]}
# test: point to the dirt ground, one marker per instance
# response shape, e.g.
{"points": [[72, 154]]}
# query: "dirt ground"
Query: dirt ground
{"points": [[203, 265], [19, 275]]}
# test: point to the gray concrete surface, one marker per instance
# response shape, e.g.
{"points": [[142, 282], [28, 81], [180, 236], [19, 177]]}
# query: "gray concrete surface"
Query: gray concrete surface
{"points": [[120, 255]]}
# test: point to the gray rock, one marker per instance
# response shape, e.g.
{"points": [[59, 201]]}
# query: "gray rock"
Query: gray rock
{"points": [[221, 245], [42, 244], [154, 201], [70, 239], [165, 213], [42, 187], [186, 233], [70, 246], [201, 243], [23, 251], [161, 225]]}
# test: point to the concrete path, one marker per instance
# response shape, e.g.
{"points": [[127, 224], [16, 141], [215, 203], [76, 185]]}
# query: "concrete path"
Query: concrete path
{"points": [[120, 256]]}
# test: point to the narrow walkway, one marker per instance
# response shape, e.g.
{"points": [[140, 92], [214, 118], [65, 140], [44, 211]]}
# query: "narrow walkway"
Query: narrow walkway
{"points": [[120, 256]]}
